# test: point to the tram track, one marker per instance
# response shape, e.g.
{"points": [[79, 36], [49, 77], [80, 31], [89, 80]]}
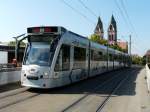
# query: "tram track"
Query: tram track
{"points": [[15, 96], [26, 93], [13, 92], [85, 100], [100, 108]]}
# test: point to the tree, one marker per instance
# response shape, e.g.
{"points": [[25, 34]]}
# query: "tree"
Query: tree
{"points": [[103, 42], [95, 38], [13, 43], [137, 60], [98, 39]]}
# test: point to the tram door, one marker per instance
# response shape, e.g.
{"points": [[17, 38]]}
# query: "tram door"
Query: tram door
{"points": [[62, 66], [80, 64]]}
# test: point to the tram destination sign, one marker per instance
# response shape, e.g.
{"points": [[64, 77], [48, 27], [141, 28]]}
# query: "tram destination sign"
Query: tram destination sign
{"points": [[45, 30]]}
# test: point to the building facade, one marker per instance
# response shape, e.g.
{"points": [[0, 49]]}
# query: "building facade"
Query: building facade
{"points": [[123, 45], [11, 52]]}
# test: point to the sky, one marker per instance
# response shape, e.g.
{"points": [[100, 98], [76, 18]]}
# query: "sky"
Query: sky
{"points": [[132, 17]]}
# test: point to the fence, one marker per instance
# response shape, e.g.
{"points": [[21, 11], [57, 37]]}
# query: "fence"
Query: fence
{"points": [[148, 76], [9, 74]]}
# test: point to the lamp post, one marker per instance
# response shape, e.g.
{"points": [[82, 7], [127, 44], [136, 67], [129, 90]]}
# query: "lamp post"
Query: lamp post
{"points": [[130, 50], [16, 40], [16, 46]]}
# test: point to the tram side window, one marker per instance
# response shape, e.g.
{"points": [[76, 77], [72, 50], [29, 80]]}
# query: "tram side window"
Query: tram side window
{"points": [[100, 56], [63, 59], [111, 57], [105, 56], [92, 55], [115, 57], [79, 58], [123, 58], [96, 55], [120, 58]]}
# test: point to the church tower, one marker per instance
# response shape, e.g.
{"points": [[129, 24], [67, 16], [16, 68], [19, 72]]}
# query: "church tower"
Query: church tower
{"points": [[99, 29], [112, 31]]}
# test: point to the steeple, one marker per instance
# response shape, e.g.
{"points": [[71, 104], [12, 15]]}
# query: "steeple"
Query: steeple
{"points": [[112, 31], [99, 28], [113, 22]]}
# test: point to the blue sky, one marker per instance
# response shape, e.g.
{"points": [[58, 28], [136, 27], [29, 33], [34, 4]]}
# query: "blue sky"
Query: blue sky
{"points": [[17, 15]]}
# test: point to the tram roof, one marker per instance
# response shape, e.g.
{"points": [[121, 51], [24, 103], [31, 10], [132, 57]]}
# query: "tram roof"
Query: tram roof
{"points": [[38, 30]]}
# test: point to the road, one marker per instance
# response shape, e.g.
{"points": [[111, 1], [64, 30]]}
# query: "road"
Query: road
{"points": [[10, 86], [118, 91], [132, 96]]}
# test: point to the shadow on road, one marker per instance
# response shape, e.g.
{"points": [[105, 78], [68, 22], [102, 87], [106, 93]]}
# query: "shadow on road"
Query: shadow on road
{"points": [[88, 86]]}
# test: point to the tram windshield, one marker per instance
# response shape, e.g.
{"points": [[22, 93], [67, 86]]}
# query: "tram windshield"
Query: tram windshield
{"points": [[37, 54]]}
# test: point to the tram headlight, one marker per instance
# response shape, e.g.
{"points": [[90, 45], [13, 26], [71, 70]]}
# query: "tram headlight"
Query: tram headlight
{"points": [[46, 75]]}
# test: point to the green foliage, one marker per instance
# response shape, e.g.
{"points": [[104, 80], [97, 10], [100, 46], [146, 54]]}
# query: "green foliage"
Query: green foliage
{"points": [[13, 43], [96, 38], [137, 60], [115, 46], [103, 42], [146, 59]]}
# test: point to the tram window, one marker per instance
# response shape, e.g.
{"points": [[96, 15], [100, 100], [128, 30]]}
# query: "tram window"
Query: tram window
{"points": [[120, 58], [92, 56], [105, 56], [96, 55], [37, 55], [79, 57], [42, 38], [100, 56], [63, 59], [115, 57], [110, 57]]}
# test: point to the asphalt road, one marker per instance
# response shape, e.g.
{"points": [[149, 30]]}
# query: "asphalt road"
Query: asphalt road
{"points": [[132, 96], [85, 96], [10, 86]]}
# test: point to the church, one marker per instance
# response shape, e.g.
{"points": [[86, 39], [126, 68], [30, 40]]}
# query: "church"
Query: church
{"points": [[111, 33]]}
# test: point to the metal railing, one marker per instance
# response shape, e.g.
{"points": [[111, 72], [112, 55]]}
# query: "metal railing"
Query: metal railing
{"points": [[8, 67], [148, 76]]}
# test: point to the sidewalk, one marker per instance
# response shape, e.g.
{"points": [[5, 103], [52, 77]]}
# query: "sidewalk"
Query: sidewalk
{"points": [[132, 96]]}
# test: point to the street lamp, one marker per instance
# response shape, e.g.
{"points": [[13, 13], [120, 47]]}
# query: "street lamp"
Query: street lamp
{"points": [[16, 46]]}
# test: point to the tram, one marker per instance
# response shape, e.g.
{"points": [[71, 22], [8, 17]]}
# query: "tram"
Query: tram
{"points": [[55, 57]]}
